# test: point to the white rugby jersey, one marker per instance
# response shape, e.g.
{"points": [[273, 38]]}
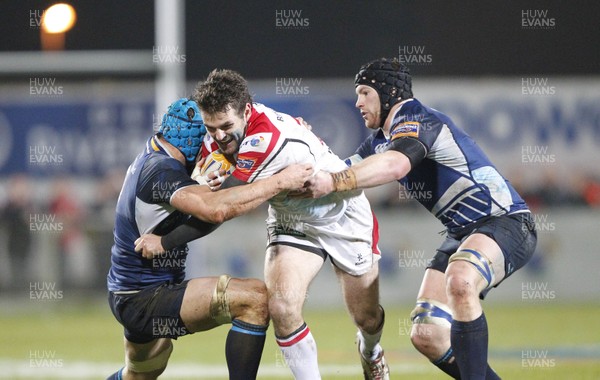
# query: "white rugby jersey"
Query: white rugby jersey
{"points": [[276, 140]]}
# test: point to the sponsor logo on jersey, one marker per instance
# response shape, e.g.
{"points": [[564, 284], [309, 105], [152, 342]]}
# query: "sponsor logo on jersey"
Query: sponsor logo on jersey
{"points": [[245, 163], [256, 140], [406, 129], [256, 143]]}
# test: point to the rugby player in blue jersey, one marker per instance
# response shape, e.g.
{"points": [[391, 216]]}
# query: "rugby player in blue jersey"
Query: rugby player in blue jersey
{"points": [[490, 231], [148, 294]]}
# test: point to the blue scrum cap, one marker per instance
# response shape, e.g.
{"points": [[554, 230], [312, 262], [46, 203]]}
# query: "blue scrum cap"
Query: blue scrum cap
{"points": [[182, 127]]}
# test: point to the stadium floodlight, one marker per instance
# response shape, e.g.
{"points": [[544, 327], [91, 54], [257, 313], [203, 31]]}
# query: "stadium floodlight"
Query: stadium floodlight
{"points": [[59, 18], [56, 22]]}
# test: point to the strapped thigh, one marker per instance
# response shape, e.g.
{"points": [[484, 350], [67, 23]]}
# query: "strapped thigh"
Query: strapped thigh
{"points": [[430, 311], [219, 303], [481, 263], [156, 363]]}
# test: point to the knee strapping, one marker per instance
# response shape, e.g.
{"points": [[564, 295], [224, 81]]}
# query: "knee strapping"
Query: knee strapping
{"points": [[481, 263], [219, 303], [156, 363], [432, 312]]}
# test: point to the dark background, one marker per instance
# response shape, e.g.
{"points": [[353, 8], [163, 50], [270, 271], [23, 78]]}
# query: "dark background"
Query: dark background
{"points": [[472, 38]]}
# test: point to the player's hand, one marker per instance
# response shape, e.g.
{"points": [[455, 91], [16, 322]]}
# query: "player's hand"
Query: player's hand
{"points": [[318, 186], [304, 123], [215, 179], [294, 177], [196, 172], [149, 245]]}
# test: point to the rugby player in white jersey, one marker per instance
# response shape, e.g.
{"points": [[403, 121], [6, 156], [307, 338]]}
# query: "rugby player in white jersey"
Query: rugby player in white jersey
{"points": [[302, 233]]}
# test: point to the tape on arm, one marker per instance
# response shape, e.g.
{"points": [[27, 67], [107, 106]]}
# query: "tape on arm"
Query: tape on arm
{"points": [[193, 229], [411, 148]]}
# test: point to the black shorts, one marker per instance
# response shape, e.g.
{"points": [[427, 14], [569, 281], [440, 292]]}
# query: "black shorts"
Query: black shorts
{"points": [[515, 234], [150, 313]]}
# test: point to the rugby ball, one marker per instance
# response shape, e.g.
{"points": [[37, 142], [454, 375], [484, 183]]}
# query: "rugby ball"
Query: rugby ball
{"points": [[214, 161]]}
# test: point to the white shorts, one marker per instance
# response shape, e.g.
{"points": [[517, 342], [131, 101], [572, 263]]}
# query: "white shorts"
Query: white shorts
{"points": [[350, 242]]}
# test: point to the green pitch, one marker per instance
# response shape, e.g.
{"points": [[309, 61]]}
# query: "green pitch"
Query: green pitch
{"points": [[42, 340]]}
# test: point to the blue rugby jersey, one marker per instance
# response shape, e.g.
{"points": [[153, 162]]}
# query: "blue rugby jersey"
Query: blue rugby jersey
{"points": [[143, 207], [455, 181]]}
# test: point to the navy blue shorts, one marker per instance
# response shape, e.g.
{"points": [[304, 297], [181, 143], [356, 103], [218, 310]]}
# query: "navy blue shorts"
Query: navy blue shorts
{"points": [[515, 234], [150, 313]]}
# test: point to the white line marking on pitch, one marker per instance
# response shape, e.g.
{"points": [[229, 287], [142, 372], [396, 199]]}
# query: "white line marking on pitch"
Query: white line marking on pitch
{"points": [[15, 369]]}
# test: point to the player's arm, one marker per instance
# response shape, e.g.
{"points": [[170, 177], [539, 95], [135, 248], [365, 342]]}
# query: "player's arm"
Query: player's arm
{"points": [[232, 181], [193, 227], [220, 206], [377, 169], [151, 245]]}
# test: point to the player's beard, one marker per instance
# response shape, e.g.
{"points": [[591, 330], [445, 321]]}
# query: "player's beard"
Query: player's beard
{"points": [[374, 120], [229, 148], [233, 146]]}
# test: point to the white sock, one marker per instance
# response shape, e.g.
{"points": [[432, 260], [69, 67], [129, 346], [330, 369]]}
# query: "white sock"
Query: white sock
{"points": [[300, 352], [368, 344]]}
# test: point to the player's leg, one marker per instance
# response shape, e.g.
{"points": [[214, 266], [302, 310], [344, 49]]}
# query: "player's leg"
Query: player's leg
{"points": [[288, 273], [146, 361], [477, 265], [147, 339], [246, 339], [432, 318], [361, 295], [210, 302]]}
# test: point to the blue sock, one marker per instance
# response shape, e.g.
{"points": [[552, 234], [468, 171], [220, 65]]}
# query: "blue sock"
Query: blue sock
{"points": [[447, 363], [243, 349], [116, 375], [469, 341]]}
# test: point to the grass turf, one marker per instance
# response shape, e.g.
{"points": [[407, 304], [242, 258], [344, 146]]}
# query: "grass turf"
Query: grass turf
{"points": [[533, 341]]}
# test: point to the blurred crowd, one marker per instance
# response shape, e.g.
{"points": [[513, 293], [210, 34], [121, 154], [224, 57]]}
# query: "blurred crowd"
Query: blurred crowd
{"points": [[58, 230]]}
